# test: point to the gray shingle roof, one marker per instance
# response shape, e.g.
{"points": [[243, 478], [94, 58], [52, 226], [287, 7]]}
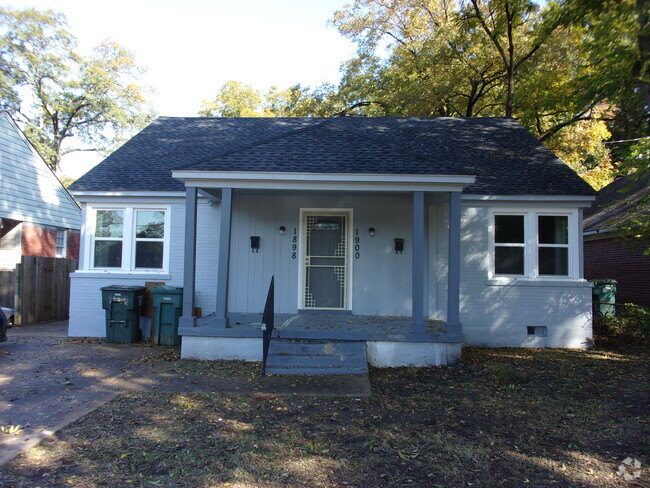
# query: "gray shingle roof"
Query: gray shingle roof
{"points": [[506, 158], [624, 198]]}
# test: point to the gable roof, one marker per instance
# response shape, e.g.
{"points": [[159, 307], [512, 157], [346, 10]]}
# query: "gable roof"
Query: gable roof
{"points": [[623, 198], [504, 156], [29, 191]]}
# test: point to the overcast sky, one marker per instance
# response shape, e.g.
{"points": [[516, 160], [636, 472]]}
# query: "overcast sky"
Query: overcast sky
{"points": [[192, 47]]}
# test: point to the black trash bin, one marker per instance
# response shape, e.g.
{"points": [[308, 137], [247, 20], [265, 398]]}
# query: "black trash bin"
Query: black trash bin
{"points": [[122, 304], [167, 309], [604, 294]]}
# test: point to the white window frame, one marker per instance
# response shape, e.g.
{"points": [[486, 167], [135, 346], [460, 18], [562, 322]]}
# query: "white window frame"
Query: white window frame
{"points": [[63, 246], [532, 245], [566, 246], [524, 245], [136, 239], [94, 238], [128, 238]]}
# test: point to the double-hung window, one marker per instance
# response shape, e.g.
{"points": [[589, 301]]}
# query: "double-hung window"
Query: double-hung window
{"points": [[553, 245], [130, 239], [532, 244], [61, 243], [149, 238], [509, 245], [109, 237]]}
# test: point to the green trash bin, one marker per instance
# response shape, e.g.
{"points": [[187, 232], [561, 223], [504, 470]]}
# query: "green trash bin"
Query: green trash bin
{"points": [[122, 304], [167, 309], [604, 296]]}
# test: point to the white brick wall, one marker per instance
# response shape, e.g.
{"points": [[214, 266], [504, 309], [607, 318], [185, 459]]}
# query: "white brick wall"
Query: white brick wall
{"points": [[498, 315], [87, 318]]}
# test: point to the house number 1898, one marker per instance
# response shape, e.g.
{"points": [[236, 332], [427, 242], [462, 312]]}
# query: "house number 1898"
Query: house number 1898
{"points": [[294, 243]]}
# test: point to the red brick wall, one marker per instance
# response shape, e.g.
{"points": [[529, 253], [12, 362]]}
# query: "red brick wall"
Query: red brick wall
{"points": [[73, 244], [38, 241], [618, 259]]}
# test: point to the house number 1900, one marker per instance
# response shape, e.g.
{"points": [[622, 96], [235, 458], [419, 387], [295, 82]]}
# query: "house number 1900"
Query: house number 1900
{"points": [[357, 247]]}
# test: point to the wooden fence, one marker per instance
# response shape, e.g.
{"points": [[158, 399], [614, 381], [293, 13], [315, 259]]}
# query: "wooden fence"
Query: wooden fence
{"points": [[42, 289], [7, 288]]}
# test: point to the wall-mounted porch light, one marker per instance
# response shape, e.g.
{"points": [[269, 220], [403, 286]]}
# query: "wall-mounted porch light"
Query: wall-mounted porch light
{"points": [[371, 231], [282, 229], [255, 243], [399, 246]]}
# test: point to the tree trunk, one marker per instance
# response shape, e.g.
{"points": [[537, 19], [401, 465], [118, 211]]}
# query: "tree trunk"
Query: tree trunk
{"points": [[510, 91], [643, 41]]}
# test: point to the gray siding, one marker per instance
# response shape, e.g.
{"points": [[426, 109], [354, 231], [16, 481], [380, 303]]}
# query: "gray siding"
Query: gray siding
{"points": [[29, 192], [381, 278]]}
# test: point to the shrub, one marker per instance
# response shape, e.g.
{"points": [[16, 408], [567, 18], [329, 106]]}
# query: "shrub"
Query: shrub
{"points": [[631, 325]]}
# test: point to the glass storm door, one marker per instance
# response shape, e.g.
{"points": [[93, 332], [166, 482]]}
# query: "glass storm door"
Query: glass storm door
{"points": [[326, 262]]}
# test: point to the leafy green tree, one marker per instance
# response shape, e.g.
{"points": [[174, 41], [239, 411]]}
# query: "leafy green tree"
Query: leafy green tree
{"points": [[420, 57], [489, 58], [295, 101], [235, 99], [57, 95]]}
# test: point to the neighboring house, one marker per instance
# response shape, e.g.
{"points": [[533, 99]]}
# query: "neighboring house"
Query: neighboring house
{"points": [[416, 235], [38, 217], [610, 252]]}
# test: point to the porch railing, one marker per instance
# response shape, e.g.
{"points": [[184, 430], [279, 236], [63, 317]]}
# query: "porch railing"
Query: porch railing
{"points": [[267, 324]]}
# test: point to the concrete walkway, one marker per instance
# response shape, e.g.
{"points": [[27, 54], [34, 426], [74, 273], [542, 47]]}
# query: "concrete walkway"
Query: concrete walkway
{"points": [[48, 381]]}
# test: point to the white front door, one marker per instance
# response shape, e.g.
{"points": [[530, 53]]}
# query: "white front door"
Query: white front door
{"points": [[326, 261]]}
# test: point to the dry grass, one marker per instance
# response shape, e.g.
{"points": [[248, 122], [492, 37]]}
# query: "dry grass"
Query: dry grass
{"points": [[512, 418]]}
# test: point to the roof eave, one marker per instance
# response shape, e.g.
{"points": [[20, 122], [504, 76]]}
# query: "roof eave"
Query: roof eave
{"points": [[323, 181]]}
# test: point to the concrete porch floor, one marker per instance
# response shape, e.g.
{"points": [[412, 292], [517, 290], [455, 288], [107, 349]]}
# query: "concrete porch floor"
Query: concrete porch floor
{"points": [[326, 326]]}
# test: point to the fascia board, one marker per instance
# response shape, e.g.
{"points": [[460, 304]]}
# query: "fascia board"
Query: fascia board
{"points": [[321, 181], [580, 201], [93, 196]]}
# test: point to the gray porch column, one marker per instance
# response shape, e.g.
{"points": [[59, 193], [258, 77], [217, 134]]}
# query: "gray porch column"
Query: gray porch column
{"points": [[418, 272], [453, 279], [189, 268], [224, 257]]}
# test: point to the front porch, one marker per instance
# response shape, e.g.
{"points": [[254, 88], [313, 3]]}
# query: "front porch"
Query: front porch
{"points": [[384, 341], [372, 264], [325, 326]]}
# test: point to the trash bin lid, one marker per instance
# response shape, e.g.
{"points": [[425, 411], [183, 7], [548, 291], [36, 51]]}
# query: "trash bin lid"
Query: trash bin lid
{"points": [[122, 288], [168, 290], [603, 282]]}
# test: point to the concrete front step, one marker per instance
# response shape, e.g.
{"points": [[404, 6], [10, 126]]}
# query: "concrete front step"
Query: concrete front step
{"points": [[311, 357]]}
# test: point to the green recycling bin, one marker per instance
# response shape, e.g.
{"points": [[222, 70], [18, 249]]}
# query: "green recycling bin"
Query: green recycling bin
{"points": [[604, 294], [122, 305], [167, 309]]}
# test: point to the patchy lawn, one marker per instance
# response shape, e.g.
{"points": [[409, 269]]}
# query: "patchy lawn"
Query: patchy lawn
{"points": [[505, 417]]}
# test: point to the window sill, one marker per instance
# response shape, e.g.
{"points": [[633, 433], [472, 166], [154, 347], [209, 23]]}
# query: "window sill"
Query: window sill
{"points": [[124, 275], [543, 282]]}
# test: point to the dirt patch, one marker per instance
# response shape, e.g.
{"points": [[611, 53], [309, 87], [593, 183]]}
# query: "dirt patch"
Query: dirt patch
{"points": [[505, 417]]}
